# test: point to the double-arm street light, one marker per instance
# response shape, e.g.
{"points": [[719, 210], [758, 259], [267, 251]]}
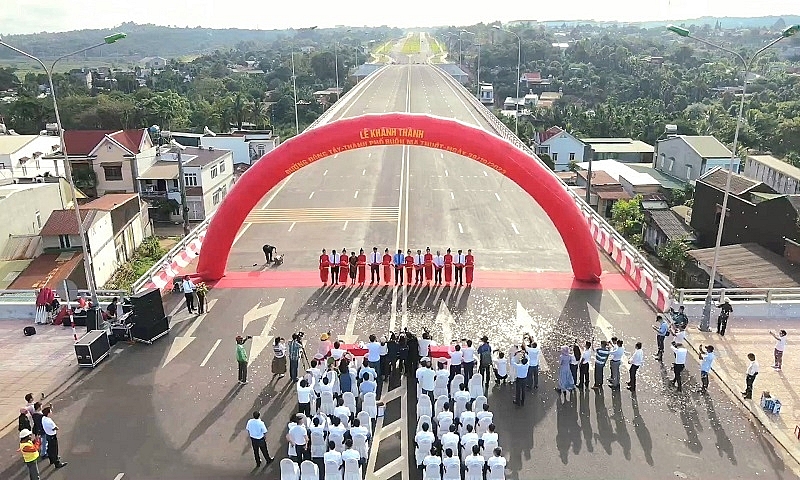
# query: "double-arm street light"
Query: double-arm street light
{"points": [[294, 85], [519, 61], [747, 63], [87, 262], [460, 51]]}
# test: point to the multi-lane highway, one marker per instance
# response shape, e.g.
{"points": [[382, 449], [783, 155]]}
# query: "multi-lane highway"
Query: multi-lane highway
{"points": [[174, 409]]}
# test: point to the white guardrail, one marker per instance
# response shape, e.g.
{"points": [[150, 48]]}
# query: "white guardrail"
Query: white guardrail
{"points": [[179, 256], [29, 296], [653, 283], [739, 295]]}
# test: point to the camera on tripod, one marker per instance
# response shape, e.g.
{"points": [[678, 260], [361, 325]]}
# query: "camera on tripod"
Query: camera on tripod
{"points": [[300, 335]]}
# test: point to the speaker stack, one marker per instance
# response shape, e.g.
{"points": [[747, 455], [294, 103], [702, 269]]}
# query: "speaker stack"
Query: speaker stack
{"points": [[150, 321]]}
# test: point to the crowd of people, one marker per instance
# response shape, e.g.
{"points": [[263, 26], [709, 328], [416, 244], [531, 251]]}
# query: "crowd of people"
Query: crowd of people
{"points": [[38, 436], [419, 268]]}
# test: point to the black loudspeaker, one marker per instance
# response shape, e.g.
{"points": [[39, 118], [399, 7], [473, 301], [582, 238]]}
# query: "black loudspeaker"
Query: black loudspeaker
{"points": [[94, 319], [152, 332], [148, 307]]}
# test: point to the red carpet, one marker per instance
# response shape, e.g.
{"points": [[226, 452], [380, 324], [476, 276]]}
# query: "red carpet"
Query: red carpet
{"points": [[275, 278]]}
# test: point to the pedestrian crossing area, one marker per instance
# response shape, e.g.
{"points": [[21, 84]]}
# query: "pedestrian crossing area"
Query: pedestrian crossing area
{"points": [[333, 214]]}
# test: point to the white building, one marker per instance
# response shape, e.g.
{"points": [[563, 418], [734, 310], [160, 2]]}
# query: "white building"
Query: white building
{"points": [[208, 175], [561, 146], [22, 157], [688, 157], [632, 182], [247, 146], [781, 176]]}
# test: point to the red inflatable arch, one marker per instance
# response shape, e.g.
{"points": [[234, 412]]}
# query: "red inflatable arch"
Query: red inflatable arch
{"points": [[400, 129]]}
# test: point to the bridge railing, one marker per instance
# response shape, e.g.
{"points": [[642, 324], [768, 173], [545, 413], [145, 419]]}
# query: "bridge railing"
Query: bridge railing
{"points": [[758, 295], [168, 262], [649, 278]]}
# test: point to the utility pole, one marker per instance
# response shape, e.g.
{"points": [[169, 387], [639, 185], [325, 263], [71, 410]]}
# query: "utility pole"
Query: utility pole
{"points": [[182, 186]]}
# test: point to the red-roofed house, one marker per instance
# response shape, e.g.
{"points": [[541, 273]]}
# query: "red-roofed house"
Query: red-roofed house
{"points": [[534, 82], [114, 159]]}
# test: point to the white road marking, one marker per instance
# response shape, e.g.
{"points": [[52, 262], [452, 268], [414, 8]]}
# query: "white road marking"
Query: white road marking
{"points": [[452, 196], [336, 155], [345, 225], [348, 336], [460, 228], [326, 172], [210, 352], [363, 172], [264, 207], [369, 155], [119, 476], [514, 227], [446, 173], [485, 174], [259, 342], [356, 194], [622, 308], [311, 196], [497, 196], [441, 155], [292, 226]]}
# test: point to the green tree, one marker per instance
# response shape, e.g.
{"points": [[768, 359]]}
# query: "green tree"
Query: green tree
{"points": [[627, 218], [674, 255]]}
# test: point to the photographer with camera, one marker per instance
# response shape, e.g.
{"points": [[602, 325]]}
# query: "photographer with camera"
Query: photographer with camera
{"points": [[295, 348], [241, 358]]}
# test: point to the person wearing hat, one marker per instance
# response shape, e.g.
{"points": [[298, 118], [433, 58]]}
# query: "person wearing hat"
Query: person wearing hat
{"points": [[241, 358], [29, 447], [325, 346]]}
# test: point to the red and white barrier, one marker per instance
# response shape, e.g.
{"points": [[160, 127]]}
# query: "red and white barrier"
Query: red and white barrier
{"points": [[644, 282], [174, 268]]}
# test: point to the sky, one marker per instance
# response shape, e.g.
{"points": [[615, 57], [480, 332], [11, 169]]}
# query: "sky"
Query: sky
{"points": [[31, 16]]}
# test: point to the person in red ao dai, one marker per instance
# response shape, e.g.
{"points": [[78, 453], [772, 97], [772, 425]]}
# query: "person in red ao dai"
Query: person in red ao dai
{"points": [[469, 267], [387, 267], [344, 267], [428, 265], [362, 267], [448, 267], [324, 263], [409, 267]]}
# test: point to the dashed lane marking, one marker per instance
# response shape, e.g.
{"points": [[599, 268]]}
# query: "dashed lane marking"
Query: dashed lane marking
{"points": [[345, 225], [452, 196], [514, 227], [311, 196], [497, 196], [363, 172], [446, 173], [325, 214], [292, 226], [621, 305], [210, 352], [485, 174], [119, 476], [460, 228], [355, 195]]}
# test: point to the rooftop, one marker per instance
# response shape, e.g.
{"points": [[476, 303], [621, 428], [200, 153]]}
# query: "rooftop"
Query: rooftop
{"points": [[777, 165], [10, 189], [549, 133], [706, 146], [665, 180], [200, 157], [63, 222], [48, 270], [717, 178], [10, 270], [452, 69], [750, 265], [109, 201], [671, 224], [618, 145], [82, 142], [130, 139], [618, 169], [12, 143], [161, 170], [599, 177]]}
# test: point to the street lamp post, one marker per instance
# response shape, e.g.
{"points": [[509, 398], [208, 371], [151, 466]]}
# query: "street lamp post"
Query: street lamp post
{"points": [[478, 71], [294, 86], [336, 66], [87, 262], [747, 64], [519, 61]]}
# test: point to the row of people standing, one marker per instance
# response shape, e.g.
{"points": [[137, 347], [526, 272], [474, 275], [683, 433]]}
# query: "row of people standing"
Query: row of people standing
{"points": [[419, 268]]}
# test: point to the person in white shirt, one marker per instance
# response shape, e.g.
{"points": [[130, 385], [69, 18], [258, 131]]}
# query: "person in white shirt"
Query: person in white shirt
{"points": [[337, 352], [467, 418], [424, 344], [427, 379], [680, 363], [616, 361], [352, 454], [257, 430], [496, 466], [635, 362], [445, 413], [456, 359], [438, 265], [462, 396], [534, 352], [780, 346], [51, 430], [319, 424], [333, 463], [451, 465], [521, 369], [484, 413], [368, 369], [680, 335], [490, 436], [468, 360], [374, 353], [305, 393], [334, 258], [375, 259], [425, 435], [442, 370], [337, 428], [474, 464], [707, 357], [583, 367], [436, 461], [500, 369], [358, 429], [367, 385], [450, 439], [469, 436], [752, 371], [298, 438], [342, 411], [188, 288]]}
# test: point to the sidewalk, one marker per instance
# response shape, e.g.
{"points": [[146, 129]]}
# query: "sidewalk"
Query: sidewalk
{"points": [[41, 363], [752, 336]]}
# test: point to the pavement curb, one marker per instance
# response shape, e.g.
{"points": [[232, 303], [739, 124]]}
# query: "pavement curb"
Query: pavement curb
{"points": [[784, 440]]}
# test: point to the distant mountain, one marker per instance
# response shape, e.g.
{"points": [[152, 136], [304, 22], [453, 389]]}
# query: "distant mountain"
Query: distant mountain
{"points": [[725, 22]]}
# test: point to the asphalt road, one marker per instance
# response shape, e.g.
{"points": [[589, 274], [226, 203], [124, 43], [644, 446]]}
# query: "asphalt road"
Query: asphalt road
{"points": [[155, 412]]}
